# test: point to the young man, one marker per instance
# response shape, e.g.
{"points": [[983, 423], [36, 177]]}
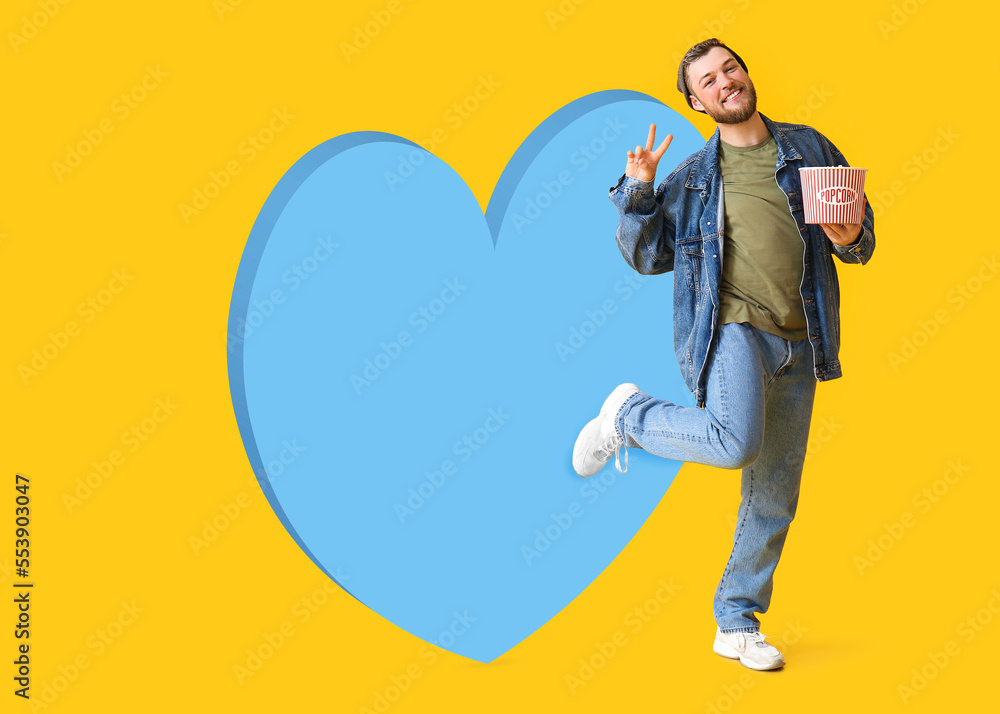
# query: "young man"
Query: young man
{"points": [[755, 314]]}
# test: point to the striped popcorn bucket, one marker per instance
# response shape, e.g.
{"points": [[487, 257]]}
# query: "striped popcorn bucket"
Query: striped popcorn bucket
{"points": [[833, 194]]}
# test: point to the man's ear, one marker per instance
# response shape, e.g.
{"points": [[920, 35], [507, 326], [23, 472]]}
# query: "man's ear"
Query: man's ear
{"points": [[696, 104]]}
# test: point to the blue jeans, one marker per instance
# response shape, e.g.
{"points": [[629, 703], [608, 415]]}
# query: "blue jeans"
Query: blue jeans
{"points": [[758, 405]]}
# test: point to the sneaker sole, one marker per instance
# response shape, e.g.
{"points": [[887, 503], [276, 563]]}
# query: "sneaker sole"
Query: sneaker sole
{"points": [[721, 648], [578, 453]]}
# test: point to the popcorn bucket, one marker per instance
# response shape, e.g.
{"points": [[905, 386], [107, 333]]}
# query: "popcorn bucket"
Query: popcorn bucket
{"points": [[833, 194]]}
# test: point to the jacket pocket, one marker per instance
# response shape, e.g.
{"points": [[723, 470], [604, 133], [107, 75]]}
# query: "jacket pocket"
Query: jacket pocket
{"points": [[692, 251]]}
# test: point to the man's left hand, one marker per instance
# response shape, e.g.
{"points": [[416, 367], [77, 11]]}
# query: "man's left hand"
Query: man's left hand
{"points": [[844, 233]]}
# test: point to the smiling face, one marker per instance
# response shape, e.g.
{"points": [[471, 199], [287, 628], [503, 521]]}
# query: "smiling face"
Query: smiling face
{"points": [[721, 88]]}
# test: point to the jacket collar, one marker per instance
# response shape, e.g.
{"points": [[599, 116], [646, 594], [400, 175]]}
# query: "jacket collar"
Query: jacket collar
{"points": [[708, 158]]}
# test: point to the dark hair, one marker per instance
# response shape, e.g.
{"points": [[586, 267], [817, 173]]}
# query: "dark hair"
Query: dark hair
{"points": [[695, 53]]}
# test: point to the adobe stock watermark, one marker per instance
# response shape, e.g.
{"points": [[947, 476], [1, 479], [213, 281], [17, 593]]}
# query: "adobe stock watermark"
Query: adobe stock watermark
{"points": [[227, 512], [400, 683], [454, 116], [591, 491], [96, 644], [246, 151], [913, 169], [820, 434], [937, 660], [287, 455], [420, 320], [6, 570], [712, 27], [87, 310], [261, 309], [594, 320], [102, 469], [120, 110], [732, 694], [899, 16], [557, 15], [586, 668], [272, 641], [31, 24], [463, 449], [581, 158], [923, 500], [364, 34], [817, 99], [956, 299], [224, 7]]}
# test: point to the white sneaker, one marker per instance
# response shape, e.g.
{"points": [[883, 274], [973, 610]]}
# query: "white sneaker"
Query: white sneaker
{"points": [[749, 648], [598, 439]]}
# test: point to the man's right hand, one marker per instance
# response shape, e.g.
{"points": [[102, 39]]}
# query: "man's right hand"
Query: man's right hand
{"points": [[642, 162]]}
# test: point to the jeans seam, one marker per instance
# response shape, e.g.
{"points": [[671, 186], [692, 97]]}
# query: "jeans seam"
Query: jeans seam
{"points": [[680, 437], [722, 393], [784, 365], [739, 532]]}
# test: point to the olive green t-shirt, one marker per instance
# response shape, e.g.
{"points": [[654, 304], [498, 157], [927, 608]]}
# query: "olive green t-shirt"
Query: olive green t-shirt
{"points": [[762, 248]]}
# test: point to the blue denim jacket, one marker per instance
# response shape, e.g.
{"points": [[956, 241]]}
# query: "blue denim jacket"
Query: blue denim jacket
{"points": [[680, 227]]}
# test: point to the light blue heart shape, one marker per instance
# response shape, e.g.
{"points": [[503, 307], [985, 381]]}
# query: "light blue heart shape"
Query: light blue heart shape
{"points": [[409, 378]]}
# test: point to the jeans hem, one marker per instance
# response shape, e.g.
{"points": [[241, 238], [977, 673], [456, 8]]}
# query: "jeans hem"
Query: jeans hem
{"points": [[735, 630], [620, 416]]}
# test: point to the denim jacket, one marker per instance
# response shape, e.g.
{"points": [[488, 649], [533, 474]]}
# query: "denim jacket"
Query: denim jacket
{"points": [[680, 227]]}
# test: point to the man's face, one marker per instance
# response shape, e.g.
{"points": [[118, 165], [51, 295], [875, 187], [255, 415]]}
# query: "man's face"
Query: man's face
{"points": [[721, 88]]}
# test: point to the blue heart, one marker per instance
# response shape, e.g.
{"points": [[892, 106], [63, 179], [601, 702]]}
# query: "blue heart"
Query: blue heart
{"points": [[409, 378]]}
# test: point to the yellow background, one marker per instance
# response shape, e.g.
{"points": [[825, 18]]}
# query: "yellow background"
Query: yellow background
{"points": [[883, 80]]}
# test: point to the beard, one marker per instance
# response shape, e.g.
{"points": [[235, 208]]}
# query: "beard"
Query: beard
{"points": [[724, 115]]}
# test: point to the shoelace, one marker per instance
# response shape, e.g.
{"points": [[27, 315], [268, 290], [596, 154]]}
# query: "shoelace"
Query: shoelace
{"points": [[604, 451], [756, 638]]}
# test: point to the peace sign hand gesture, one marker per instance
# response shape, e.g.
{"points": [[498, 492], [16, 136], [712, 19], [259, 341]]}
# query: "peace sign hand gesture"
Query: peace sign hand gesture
{"points": [[642, 162]]}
